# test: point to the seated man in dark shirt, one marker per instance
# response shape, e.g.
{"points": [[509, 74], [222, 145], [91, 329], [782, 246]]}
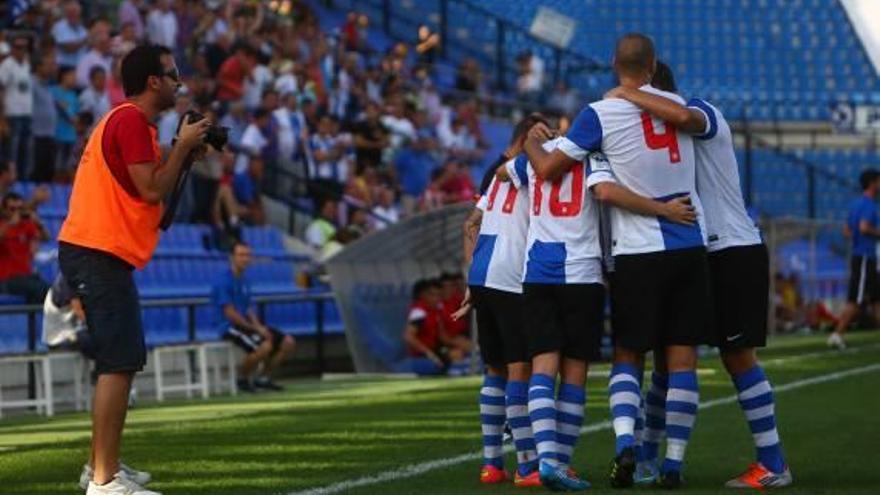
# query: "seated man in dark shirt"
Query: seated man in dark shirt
{"points": [[238, 323]]}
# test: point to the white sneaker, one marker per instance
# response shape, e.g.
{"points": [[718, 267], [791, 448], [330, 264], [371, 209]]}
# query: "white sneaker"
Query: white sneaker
{"points": [[835, 340], [119, 485], [139, 477]]}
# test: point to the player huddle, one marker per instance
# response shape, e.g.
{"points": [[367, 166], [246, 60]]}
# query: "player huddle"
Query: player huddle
{"points": [[689, 268]]}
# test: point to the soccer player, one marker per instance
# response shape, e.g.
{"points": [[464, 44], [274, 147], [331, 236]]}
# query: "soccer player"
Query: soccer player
{"points": [[739, 272], [861, 227], [659, 289], [494, 249]]}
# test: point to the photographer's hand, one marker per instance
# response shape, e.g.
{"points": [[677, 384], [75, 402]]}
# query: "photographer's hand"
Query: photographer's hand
{"points": [[192, 134]]}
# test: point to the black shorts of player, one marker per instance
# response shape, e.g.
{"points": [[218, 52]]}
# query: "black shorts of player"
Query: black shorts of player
{"points": [[249, 341], [500, 329], [564, 318], [660, 299], [740, 279], [862, 280], [105, 285]]}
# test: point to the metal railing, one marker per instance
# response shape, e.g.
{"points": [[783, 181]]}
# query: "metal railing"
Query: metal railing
{"points": [[319, 299]]}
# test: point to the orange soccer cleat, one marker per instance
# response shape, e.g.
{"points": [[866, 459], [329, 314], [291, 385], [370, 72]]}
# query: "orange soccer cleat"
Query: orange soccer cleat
{"points": [[759, 477], [492, 475], [531, 479]]}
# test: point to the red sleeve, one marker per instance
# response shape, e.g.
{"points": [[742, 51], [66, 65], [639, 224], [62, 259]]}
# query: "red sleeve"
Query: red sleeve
{"points": [[132, 135]]}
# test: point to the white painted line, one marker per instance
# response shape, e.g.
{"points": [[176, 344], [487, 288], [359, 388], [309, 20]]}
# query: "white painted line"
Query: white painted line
{"points": [[424, 467]]}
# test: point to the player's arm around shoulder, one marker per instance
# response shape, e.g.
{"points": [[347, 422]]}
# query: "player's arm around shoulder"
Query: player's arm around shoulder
{"points": [[685, 118]]}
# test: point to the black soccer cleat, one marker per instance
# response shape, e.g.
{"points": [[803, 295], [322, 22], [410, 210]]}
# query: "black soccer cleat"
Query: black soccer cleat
{"points": [[622, 468], [670, 480]]}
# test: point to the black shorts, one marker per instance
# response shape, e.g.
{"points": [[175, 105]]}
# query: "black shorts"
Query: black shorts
{"points": [[565, 318], [249, 341], [862, 280], [500, 329], [105, 285], [741, 289], [661, 299]]}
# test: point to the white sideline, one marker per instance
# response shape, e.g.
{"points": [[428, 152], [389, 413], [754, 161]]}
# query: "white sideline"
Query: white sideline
{"points": [[417, 469]]}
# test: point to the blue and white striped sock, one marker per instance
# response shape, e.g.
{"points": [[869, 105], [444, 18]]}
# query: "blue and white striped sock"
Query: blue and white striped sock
{"points": [[756, 399], [492, 417], [639, 431], [569, 419], [624, 396], [655, 416], [682, 400], [542, 412], [521, 427]]}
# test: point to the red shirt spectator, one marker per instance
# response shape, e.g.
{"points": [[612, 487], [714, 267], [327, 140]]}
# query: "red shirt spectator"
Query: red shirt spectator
{"points": [[427, 320], [17, 247], [233, 72]]}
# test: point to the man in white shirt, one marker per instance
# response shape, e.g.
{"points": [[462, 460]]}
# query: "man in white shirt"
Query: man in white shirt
{"points": [[252, 141], [99, 37], [15, 78], [169, 121], [292, 129], [94, 99], [162, 24], [70, 35]]}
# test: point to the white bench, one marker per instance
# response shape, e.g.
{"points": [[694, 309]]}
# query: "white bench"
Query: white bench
{"points": [[203, 351], [43, 399]]}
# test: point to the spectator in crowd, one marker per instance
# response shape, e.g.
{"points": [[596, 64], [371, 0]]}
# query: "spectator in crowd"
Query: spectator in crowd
{"points": [[70, 35], [8, 177], [234, 71], [361, 187], [95, 100], [293, 132], [386, 212], [427, 46], [370, 137], [468, 76], [331, 159], [266, 348], [169, 120], [125, 41], [340, 239], [286, 82], [358, 221], [130, 15], [457, 185], [323, 227], [162, 24], [45, 118], [20, 235], [430, 349], [460, 143], [99, 55], [530, 82], [254, 140], [67, 103], [564, 100], [236, 120], [400, 128], [15, 79], [246, 187], [434, 197]]}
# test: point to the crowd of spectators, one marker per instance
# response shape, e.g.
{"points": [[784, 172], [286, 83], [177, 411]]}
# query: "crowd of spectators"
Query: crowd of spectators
{"points": [[304, 105]]}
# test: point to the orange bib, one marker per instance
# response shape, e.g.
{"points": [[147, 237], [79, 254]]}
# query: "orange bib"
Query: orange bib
{"points": [[102, 215]]}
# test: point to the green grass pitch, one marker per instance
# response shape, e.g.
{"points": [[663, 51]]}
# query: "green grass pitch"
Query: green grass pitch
{"points": [[316, 434]]}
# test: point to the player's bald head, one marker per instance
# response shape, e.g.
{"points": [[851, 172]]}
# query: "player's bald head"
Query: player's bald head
{"points": [[634, 55]]}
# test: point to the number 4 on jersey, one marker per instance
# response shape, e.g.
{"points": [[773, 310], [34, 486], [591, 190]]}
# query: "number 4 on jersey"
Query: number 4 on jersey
{"points": [[659, 141]]}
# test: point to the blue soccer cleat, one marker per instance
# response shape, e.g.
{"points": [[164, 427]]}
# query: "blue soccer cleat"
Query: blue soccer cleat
{"points": [[559, 479]]}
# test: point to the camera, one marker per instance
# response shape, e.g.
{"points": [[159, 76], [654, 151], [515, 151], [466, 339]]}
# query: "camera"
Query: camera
{"points": [[216, 135]]}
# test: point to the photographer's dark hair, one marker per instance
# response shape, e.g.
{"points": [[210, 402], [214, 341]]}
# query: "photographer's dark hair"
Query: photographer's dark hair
{"points": [[141, 63]]}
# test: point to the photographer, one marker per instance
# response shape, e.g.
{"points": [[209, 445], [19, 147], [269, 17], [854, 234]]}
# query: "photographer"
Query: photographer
{"points": [[113, 227], [20, 234]]}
